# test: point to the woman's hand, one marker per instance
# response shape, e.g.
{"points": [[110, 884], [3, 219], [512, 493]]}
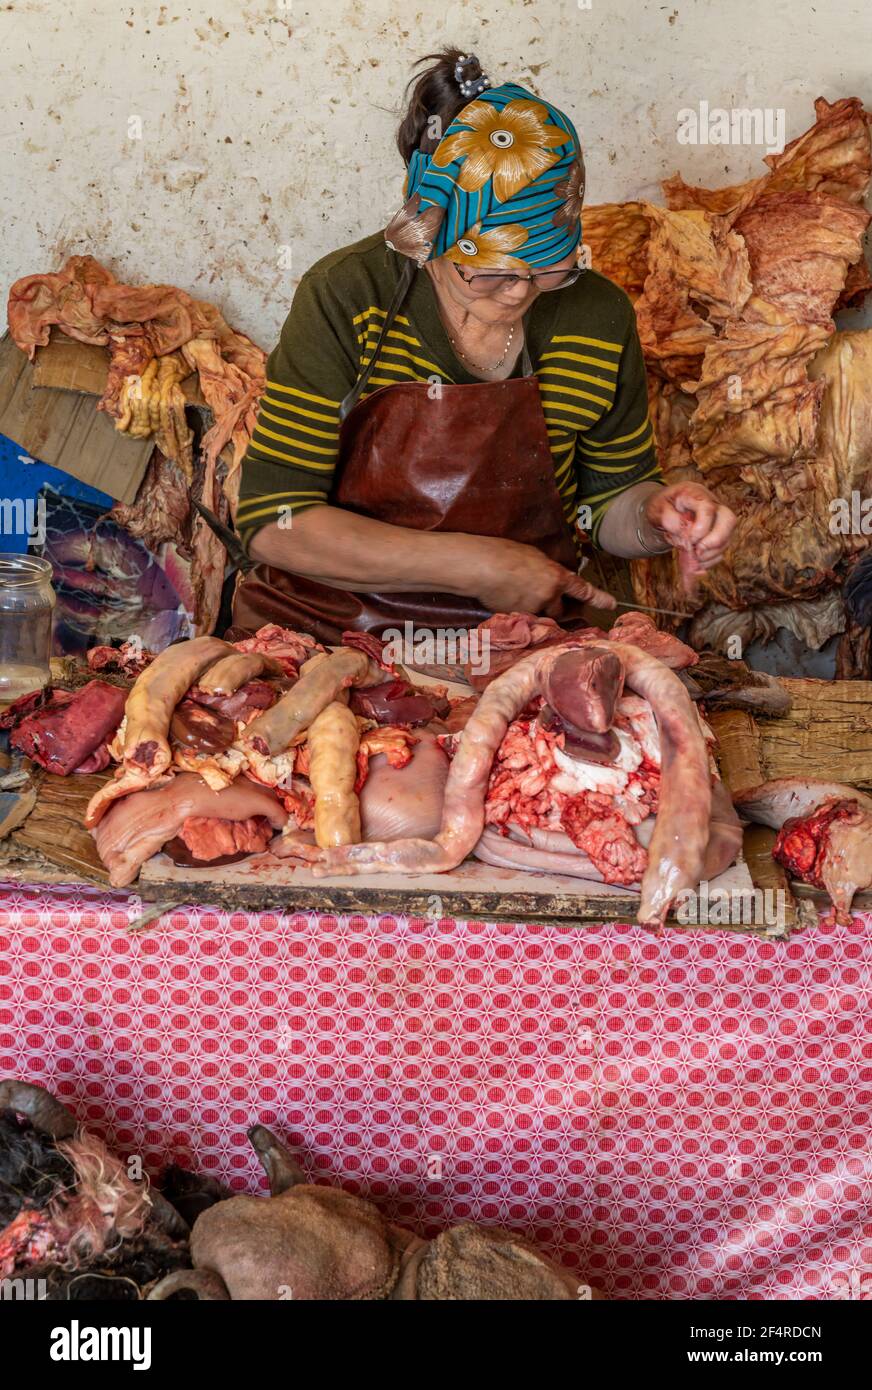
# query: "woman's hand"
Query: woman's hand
{"points": [[691, 519], [508, 577]]}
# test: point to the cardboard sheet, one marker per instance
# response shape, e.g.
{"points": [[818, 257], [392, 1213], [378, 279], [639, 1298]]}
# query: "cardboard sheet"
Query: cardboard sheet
{"points": [[49, 408]]}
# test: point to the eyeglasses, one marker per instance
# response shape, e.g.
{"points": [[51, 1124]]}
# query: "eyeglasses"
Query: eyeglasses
{"points": [[543, 280]]}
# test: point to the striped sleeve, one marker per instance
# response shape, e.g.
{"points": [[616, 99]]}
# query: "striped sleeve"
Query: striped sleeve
{"points": [[292, 456], [618, 450]]}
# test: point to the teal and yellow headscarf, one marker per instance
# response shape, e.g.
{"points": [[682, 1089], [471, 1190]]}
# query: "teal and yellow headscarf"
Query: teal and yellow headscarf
{"points": [[502, 191]]}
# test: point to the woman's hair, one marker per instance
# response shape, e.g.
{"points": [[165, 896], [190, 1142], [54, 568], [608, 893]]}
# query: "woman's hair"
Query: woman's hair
{"points": [[434, 92]]}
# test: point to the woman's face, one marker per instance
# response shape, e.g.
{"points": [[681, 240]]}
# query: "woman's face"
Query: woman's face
{"points": [[510, 301]]}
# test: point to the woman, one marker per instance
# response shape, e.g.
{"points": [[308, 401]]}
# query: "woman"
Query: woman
{"points": [[449, 397]]}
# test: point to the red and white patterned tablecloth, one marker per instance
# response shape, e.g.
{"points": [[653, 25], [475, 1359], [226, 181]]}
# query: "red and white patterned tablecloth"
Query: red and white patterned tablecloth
{"points": [[683, 1115]]}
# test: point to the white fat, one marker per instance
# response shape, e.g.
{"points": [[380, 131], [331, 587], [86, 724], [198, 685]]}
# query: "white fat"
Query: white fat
{"points": [[116, 747], [641, 717], [576, 775], [217, 770], [270, 770]]}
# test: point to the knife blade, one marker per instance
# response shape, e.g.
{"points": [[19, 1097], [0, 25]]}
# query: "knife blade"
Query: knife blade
{"points": [[643, 608]]}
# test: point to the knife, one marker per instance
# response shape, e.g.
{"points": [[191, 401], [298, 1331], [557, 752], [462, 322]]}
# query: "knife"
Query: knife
{"points": [[237, 556], [643, 608]]}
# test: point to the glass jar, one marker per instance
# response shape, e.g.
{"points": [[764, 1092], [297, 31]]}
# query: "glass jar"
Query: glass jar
{"points": [[26, 603]]}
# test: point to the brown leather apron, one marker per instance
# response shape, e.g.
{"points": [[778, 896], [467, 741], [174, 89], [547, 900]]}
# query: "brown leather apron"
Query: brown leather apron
{"points": [[472, 458]]}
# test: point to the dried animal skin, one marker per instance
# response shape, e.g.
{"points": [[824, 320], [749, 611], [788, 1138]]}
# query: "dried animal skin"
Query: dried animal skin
{"points": [[617, 237], [162, 506], [765, 431], [754, 401], [812, 621], [141, 323], [831, 157], [844, 367], [698, 280], [800, 245]]}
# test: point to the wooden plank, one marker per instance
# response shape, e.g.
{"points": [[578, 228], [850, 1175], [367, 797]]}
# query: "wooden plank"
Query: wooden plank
{"points": [[739, 748], [473, 890], [54, 827], [828, 733]]}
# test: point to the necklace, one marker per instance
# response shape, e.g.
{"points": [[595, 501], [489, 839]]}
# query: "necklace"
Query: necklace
{"points": [[478, 365]]}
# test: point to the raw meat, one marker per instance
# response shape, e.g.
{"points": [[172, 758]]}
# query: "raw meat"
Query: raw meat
{"points": [[154, 697], [773, 803], [825, 834], [372, 646], [282, 644], [333, 740], [144, 736], [506, 637], [208, 838], [231, 672], [401, 803], [320, 683], [71, 732], [593, 824], [138, 826], [678, 846], [640, 630], [130, 659], [830, 849], [393, 702], [583, 686], [246, 702]]}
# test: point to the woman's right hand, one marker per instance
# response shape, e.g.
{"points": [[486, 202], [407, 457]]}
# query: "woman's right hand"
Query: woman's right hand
{"points": [[508, 577]]}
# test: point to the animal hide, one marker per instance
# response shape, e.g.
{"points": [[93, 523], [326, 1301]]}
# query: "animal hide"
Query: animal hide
{"points": [[750, 391]]}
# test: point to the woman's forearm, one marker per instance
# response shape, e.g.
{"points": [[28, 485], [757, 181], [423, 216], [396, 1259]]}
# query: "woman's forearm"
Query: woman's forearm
{"points": [[624, 521], [356, 552]]}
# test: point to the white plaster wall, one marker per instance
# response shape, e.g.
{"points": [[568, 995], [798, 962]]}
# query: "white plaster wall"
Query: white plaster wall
{"points": [[270, 123]]}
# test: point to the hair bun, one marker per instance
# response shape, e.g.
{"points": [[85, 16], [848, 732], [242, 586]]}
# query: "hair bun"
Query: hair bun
{"points": [[469, 76]]}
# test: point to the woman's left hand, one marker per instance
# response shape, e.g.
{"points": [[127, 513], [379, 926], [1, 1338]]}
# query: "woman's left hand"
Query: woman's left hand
{"points": [[692, 519]]}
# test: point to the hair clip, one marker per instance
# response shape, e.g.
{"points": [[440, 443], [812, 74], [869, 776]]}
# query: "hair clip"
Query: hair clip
{"points": [[469, 86]]}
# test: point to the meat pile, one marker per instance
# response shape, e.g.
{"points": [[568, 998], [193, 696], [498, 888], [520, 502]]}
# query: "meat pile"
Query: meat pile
{"points": [[555, 765], [751, 392], [65, 732], [824, 835], [222, 744], [551, 703], [157, 335]]}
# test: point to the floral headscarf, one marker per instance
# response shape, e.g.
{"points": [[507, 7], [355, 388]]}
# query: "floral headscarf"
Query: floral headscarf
{"points": [[502, 191]]}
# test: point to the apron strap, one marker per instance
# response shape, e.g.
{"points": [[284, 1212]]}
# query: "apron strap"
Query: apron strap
{"points": [[403, 284], [526, 360]]}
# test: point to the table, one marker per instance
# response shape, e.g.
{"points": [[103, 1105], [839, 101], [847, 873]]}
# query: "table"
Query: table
{"points": [[679, 1115]]}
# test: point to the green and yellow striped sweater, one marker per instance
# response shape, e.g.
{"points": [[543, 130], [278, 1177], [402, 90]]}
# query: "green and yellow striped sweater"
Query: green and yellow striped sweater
{"points": [[582, 341]]}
